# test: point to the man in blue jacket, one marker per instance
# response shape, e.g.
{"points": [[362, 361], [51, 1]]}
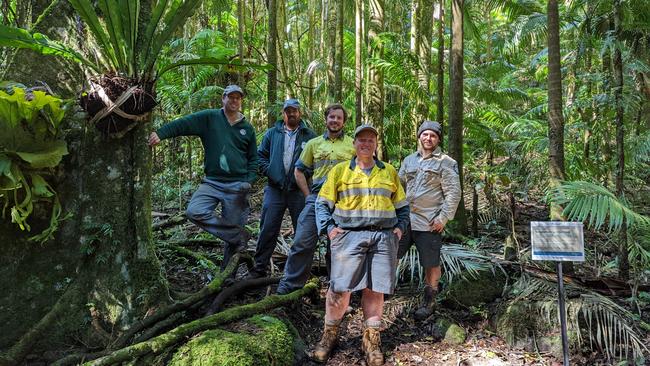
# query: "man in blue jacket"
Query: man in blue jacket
{"points": [[280, 148]]}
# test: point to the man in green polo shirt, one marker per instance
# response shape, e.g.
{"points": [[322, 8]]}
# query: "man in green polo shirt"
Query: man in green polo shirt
{"points": [[230, 166]]}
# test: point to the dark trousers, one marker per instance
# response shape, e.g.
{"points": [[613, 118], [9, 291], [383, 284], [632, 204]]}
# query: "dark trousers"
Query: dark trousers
{"points": [[276, 201]]}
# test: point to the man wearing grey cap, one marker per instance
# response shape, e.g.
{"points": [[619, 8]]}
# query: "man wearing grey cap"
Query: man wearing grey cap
{"points": [[230, 164], [278, 152], [430, 178]]}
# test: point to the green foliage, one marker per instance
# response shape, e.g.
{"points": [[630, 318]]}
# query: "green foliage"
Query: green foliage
{"points": [[595, 317], [584, 201], [30, 148]]}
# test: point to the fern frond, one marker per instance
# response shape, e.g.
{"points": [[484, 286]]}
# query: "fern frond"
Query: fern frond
{"points": [[595, 205]]}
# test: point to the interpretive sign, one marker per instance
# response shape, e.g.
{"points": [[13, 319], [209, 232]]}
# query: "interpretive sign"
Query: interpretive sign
{"points": [[557, 241]]}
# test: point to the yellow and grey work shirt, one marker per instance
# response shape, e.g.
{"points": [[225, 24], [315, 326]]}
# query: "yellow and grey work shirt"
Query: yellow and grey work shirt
{"points": [[432, 188], [321, 154], [352, 199]]}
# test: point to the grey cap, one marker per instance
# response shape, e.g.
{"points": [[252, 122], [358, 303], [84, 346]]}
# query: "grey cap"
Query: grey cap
{"points": [[232, 89], [430, 125], [291, 103], [365, 127]]}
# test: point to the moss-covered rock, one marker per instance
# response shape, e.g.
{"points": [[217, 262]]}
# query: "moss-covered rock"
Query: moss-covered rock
{"points": [[469, 291], [451, 332], [263, 340]]}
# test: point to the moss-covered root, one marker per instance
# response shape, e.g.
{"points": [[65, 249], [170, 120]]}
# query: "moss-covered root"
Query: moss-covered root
{"points": [[158, 344], [209, 290], [19, 350], [265, 341], [237, 288]]}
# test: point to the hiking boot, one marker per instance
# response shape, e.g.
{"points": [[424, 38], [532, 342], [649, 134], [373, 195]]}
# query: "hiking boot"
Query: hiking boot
{"points": [[428, 304], [371, 346], [327, 343]]}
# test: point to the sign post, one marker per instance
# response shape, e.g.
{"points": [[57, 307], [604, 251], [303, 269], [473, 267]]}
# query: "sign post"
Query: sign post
{"points": [[558, 241]]}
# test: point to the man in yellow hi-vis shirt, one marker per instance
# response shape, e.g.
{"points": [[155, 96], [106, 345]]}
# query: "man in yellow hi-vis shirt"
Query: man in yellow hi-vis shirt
{"points": [[362, 207]]}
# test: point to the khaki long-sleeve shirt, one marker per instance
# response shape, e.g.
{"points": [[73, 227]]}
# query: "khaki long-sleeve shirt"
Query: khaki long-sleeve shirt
{"points": [[432, 188]]}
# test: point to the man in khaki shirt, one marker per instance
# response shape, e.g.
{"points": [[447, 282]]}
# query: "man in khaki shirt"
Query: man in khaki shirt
{"points": [[432, 186]]}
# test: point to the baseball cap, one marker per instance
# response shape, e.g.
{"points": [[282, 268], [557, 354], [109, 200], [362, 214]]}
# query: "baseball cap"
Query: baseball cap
{"points": [[291, 103], [232, 89], [365, 127]]}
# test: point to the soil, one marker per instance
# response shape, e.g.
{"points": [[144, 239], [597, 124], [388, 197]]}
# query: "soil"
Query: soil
{"points": [[404, 341], [142, 101]]}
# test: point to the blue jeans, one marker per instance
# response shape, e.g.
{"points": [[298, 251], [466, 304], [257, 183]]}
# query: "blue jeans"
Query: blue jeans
{"points": [[276, 201], [301, 255], [229, 227]]}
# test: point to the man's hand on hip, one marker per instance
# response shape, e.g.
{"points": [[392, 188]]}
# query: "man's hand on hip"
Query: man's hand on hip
{"points": [[397, 231], [334, 232], [437, 226]]}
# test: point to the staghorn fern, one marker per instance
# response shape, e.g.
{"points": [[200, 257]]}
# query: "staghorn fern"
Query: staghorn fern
{"points": [[605, 324], [595, 205]]}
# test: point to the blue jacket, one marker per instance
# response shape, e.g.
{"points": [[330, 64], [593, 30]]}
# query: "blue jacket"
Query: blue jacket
{"points": [[271, 152]]}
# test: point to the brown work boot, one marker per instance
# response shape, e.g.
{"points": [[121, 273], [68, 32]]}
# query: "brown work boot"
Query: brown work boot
{"points": [[371, 346], [428, 303], [327, 342]]}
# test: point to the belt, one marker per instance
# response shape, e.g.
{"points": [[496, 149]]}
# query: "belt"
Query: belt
{"points": [[368, 228]]}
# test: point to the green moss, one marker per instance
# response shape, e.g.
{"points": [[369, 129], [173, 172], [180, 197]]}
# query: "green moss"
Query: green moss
{"points": [[453, 333], [268, 341], [466, 292]]}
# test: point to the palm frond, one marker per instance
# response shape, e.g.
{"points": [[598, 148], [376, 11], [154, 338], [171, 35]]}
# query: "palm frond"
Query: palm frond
{"points": [[459, 260], [595, 205], [606, 324]]}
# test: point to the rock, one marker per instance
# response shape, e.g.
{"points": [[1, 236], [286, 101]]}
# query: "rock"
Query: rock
{"points": [[452, 332], [469, 291], [263, 340]]}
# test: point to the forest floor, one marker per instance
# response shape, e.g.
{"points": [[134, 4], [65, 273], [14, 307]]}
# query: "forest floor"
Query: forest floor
{"points": [[404, 341]]}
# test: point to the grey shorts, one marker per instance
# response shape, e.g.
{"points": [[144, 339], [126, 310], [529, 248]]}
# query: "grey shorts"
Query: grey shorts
{"points": [[364, 259], [428, 244]]}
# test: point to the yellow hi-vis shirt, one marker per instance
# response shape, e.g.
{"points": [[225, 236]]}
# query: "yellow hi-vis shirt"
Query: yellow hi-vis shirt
{"points": [[320, 154], [351, 199]]}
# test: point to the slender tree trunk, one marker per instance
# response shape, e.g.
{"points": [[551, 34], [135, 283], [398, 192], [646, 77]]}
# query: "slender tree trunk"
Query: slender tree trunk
{"points": [[375, 98], [338, 76], [424, 55], [272, 59], [440, 112], [358, 61], [623, 251], [456, 101], [310, 54], [555, 117]]}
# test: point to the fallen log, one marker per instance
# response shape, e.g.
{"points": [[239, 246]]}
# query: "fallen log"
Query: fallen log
{"points": [[169, 222], [160, 343]]}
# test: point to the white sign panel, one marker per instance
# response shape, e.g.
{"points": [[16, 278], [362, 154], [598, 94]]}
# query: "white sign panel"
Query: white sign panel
{"points": [[557, 241]]}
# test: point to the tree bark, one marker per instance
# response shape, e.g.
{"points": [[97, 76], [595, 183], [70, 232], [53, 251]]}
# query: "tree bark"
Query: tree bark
{"points": [[358, 61], [375, 97], [272, 59], [338, 71], [623, 251], [456, 102], [440, 111]]}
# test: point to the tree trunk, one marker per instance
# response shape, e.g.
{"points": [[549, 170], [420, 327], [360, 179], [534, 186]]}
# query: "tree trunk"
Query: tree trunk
{"points": [[456, 101], [358, 61], [338, 71], [272, 59], [555, 117], [375, 97], [425, 26], [103, 254], [623, 251], [440, 112]]}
